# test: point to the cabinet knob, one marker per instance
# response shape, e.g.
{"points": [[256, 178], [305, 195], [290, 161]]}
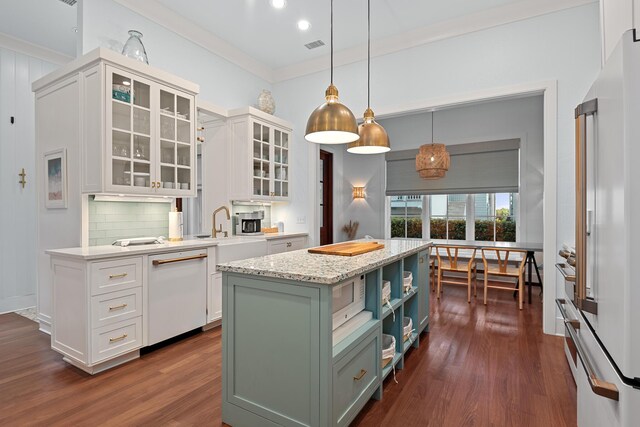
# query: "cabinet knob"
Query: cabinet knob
{"points": [[288, 244], [153, 184]]}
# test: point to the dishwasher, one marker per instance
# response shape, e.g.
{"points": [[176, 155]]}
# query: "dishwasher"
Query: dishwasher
{"points": [[177, 293]]}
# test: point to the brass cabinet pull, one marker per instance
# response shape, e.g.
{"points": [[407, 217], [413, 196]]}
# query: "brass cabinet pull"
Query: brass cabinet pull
{"points": [[598, 386], [362, 373], [421, 260], [118, 276], [153, 184], [23, 176], [120, 338], [118, 307], [186, 258]]}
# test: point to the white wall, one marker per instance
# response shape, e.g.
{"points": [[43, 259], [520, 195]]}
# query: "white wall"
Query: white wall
{"points": [[562, 46], [520, 118], [104, 23], [17, 151]]}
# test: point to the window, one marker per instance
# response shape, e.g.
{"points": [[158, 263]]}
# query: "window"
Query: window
{"points": [[448, 216], [483, 217], [406, 216], [495, 219]]}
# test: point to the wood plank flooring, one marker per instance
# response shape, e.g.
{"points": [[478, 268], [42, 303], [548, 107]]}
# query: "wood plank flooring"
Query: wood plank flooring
{"points": [[479, 366]]}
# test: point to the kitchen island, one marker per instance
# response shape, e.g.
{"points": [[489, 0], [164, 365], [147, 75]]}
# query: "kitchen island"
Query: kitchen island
{"points": [[281, 365]]}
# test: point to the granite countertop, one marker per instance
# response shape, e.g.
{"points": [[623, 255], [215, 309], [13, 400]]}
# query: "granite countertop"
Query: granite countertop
{"points": [[109, 251], [326, 269]]}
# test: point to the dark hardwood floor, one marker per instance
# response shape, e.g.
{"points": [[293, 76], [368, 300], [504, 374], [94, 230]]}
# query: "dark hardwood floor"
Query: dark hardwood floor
{"points": [[479, 366]]}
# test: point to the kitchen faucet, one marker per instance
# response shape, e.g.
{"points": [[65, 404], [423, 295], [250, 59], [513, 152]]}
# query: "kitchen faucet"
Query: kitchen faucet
{"points": [[215, 231]]}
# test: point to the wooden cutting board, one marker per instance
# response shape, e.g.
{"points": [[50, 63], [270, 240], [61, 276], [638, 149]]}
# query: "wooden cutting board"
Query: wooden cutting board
{"points": [[347, 248]]}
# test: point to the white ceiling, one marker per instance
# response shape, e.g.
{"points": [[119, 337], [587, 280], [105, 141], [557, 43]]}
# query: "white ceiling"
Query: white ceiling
{"points": [[266, 41], [47, 23], [271, 36]]}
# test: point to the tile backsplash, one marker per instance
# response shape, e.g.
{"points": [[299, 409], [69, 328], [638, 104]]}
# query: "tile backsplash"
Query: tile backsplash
{"points": [[109, 221]]}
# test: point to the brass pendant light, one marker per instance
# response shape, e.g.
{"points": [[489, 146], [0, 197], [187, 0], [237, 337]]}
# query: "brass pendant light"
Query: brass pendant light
{"points": [[332, 122], [433, 160], [373, 137]]}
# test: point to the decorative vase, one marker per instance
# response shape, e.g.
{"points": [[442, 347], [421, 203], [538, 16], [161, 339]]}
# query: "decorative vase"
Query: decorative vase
{"points": [[134, 48], [266, 102]]}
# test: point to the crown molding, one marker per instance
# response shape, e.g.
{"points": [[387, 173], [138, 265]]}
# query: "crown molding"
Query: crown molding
{"points": [[471, 23], [46, 54], [167, 18]]}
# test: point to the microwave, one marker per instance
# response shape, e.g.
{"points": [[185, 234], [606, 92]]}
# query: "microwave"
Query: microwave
{"points": [[348, 300]]}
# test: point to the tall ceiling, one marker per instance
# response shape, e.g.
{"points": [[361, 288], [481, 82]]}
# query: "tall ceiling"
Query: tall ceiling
{"points": [[271, 36], [47, 23], [266, 41]]}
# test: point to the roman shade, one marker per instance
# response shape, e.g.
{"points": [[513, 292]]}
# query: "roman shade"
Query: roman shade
{"points": [[479, 167]]}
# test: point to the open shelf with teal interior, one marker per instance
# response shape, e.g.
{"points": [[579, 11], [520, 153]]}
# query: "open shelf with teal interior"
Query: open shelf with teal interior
{"points": [[290, 371]]}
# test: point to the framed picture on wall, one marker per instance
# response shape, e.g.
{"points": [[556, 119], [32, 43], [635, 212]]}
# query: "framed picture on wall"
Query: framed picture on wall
{"points": [[55, 179]]}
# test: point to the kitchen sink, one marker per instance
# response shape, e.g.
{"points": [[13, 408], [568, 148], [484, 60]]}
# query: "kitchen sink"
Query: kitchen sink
{"points": [[237, 248]]}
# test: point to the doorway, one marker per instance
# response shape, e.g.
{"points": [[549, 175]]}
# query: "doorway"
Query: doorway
{"points": [[326, 197]]}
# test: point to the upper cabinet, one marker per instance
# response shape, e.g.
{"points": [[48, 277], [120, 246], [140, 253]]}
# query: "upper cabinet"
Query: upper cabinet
{"points": [[138, 128], [259, 155]]}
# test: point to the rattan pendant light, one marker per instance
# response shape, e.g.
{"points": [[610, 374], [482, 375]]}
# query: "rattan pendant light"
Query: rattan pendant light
{"points": [[373, 137], [332, 122], [432, 161]]}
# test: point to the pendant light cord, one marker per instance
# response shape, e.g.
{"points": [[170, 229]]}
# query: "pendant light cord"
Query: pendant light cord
{"points": [[433, 115], [368, 54], [332, 42]]}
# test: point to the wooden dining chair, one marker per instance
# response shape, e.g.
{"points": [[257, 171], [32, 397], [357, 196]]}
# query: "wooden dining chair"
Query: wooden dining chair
{"points": [[448, 260], [497, 263]]}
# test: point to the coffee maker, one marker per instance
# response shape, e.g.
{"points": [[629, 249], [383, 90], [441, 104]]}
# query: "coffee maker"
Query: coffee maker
{"points": [[249, 223]]}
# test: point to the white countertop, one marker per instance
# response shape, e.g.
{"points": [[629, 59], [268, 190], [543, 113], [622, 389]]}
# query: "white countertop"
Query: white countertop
{"points": [[303, 266], [109, 251], [274, 236]]}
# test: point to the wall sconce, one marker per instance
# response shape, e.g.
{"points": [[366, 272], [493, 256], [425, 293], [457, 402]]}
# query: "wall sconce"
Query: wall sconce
{"points": [[358, 192]]}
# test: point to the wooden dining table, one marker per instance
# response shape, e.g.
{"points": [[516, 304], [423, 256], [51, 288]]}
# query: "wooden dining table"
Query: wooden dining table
{"points": [[530, 247]]}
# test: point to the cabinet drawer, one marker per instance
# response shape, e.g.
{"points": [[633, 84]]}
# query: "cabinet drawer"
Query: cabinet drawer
{"points": [[296, 243], [115, 340], [355, 377], [113, 307], [117, 275]]}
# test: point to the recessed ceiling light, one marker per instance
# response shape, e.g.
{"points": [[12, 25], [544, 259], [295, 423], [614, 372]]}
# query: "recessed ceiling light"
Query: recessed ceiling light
{"points": [[278, 4], [303, 25]]}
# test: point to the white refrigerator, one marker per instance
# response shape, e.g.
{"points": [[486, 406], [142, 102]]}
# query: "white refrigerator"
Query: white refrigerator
{"points": [[605, 334]]}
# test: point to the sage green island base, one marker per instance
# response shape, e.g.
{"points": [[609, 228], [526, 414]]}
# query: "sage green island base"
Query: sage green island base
{"points": [[280, 365]]}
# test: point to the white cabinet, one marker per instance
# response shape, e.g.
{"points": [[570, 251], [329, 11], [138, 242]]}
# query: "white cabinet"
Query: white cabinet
{"points": [[137, 125], [259, 157], [214, 310], [97, 311], [277, 246], [617, 17], [149, 137]]}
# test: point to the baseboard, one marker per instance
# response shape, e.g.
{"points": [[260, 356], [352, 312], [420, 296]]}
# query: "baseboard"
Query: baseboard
{"points": [[45, 326], [9, 305]]}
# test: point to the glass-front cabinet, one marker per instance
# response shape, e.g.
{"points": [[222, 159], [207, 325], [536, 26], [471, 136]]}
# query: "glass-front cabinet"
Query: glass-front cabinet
{"points": [[150, 137], [266, 140], [270, 161]]}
